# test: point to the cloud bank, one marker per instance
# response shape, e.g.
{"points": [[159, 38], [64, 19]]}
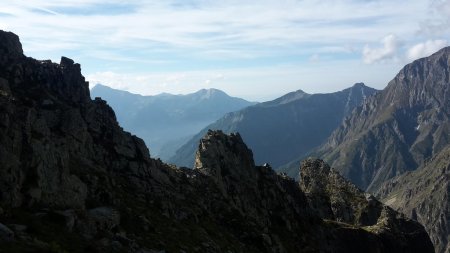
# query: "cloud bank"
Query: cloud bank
{"points": [[425, 49], [388, 50]]}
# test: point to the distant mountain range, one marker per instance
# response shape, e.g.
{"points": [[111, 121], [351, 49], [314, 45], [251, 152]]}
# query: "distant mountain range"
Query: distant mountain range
{"points": [[280, 130], [167, 121]]}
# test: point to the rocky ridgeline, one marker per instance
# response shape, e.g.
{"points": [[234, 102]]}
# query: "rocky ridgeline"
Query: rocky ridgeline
{"points": [[397, 129], [71, 180]]}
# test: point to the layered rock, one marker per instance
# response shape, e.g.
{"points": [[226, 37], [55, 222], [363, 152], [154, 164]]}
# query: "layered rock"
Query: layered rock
{"points": [[72, 180]]}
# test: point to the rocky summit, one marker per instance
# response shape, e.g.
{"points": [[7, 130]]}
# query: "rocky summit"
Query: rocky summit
{"points": [[71, 180]]}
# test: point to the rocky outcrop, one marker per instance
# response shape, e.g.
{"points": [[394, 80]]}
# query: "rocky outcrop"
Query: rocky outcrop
{"points": [[423, 195], [71, 180], [334, 198]]}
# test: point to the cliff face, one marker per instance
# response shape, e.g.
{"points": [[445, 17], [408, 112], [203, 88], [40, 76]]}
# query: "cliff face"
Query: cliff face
{"points": [[398, 129], [72, 180], [423, 195]]}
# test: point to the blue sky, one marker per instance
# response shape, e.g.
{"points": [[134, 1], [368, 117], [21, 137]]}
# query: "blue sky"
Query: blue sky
{"points": [[258, 50]]}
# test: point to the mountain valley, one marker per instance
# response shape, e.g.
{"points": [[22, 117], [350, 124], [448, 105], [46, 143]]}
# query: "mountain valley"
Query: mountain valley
{"points": [[280, 130], [165, 122], [72, 180]]}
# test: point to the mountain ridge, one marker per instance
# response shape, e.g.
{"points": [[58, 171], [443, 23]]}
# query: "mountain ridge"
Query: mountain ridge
{"points": [[279, 130], [409, 119], [202, 91]]}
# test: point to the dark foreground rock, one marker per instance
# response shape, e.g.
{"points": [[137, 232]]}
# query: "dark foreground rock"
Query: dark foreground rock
{"points": [[71, 180]]}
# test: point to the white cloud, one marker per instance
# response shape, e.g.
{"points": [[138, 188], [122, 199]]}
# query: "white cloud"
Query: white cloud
{"points": [[221, 27], [438, 20], [388, 50], [425, 49]]}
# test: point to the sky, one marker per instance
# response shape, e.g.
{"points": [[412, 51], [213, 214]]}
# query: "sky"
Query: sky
{"points": [[257, 50]]}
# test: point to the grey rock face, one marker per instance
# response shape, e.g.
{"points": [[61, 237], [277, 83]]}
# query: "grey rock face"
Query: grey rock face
{"points": [[218, 153]]}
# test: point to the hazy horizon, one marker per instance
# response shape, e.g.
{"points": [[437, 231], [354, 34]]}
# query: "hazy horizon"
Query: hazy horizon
{"points": [[256, 50]]}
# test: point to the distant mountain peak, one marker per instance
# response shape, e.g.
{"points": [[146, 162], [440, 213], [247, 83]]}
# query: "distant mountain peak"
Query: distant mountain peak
{"points": [[210, 90], [288, 98], [210, 93], [300, 91], [359, 85], [100, 86]]}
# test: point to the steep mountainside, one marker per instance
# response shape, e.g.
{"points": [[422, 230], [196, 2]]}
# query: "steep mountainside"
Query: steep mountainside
{"points": [[424, 196], [167, 121], [71, 180], [397, 129], [281, 130]]}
